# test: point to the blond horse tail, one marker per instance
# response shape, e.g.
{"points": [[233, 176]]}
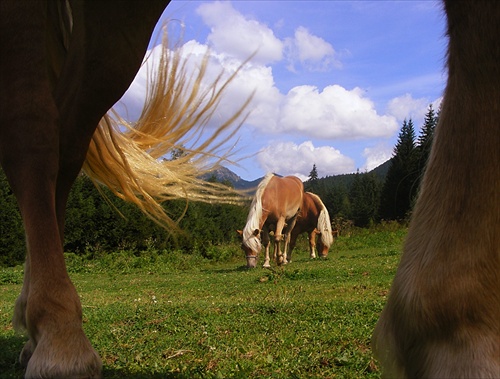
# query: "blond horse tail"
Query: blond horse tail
{"points": [[127, 157], [324, 224]]}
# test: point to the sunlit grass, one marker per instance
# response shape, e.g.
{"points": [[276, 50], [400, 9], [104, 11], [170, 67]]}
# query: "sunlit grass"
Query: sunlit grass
{"points": [[163, 315]]}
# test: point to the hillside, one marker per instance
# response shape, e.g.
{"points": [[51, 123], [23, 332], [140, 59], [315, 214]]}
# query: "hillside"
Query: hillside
{"points": [[223, 174]]}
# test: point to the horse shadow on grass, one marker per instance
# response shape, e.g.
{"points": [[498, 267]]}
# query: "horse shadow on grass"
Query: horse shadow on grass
{"points": [[227, 270], [10, 368], [110, 373], [10, 348]]}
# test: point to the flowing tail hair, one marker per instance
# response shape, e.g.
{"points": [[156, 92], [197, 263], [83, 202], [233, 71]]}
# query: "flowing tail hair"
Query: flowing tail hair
{"points": [[127, 157], [324, 224]]}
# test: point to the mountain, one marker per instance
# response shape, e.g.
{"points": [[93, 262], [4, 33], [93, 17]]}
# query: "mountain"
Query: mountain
{"points": [[381, 171], [223, 174]]}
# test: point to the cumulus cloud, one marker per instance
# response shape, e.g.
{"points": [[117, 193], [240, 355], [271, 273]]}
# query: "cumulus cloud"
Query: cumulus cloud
{"points": [[239, 36], [305, 112], [335, 113], [219, 68], [406, 107], [312, 52], [288, 158], [376, 155]]}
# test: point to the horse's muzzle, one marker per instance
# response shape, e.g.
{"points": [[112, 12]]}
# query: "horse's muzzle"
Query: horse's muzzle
{"points": [[251, 261]]}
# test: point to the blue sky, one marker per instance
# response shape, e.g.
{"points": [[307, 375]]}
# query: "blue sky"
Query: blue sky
{"points": [[333, 80]]}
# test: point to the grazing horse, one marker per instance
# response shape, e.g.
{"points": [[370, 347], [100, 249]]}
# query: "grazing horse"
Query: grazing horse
{"points": [[442, 316], [314, 219], [274, 207], [63, 65]]}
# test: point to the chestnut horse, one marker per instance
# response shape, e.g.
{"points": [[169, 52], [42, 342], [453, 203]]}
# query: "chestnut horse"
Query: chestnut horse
{"points": [[313, 219], [63, 65], [442, 316], [274, 207]]}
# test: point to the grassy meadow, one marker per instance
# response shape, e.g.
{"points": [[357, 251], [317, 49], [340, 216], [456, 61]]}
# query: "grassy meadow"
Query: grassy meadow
{"points": [[172, 315]]}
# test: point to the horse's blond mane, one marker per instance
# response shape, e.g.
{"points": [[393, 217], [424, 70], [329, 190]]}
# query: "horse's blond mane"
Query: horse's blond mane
{"points": [[127, 157], [324, 224], [254, 216]]}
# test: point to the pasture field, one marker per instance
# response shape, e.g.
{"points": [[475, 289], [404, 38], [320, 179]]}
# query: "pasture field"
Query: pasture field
{"points": [[171, 315]]}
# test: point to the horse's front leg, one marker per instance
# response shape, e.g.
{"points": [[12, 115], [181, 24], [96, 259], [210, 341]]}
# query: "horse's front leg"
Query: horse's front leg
{"points": [[278, 237], [48, 308], [287, 255], [312, 243], [267, 243]]}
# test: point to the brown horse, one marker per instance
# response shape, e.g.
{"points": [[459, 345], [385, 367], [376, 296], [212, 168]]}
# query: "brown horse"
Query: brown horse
{"points": [[442, 316], [63, 65], [274, 207], [313, 219]]}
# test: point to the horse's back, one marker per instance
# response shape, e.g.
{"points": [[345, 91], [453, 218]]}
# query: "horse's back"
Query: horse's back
{"points": [[309, 213], [283, 196]]}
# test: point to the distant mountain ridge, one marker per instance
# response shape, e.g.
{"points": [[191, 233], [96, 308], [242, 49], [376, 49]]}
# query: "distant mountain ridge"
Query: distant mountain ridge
{"points": [[223, 174]]}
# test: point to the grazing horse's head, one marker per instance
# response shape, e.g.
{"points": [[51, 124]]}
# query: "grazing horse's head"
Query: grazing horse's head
{"points": [[251, 246], [320, 246], [323, 247]]}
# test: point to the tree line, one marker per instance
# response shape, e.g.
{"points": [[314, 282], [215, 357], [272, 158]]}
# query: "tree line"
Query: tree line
{"points": [[96, 223], [367, 198]]}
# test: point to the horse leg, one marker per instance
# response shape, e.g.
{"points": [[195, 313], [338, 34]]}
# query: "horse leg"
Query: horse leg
{"points": [[293, 240], [48, 307], [267, 243], [43, 141], [312, 243], [19, 318], [80, 114], [287, 256], [287, 251], [278, 236]]}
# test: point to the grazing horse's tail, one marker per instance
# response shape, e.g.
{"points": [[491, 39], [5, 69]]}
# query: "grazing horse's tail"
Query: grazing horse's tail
{"points": [[324, 224], [127, 157]]}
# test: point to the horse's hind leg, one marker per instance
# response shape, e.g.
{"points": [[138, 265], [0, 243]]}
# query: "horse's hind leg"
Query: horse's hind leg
{"points": [[48, 307]]}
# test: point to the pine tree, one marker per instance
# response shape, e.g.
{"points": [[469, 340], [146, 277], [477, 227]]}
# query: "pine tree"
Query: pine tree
{"points": [[364, 197], [405, 147], [426, 136], [401, 183], [313, 175], [312, 182]]}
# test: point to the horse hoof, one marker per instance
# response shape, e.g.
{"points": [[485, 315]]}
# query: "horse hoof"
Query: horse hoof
{"points": [[55, 358]]}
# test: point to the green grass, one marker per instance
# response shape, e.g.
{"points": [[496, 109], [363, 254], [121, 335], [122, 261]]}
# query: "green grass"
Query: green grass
{"points": [[168, 315]]}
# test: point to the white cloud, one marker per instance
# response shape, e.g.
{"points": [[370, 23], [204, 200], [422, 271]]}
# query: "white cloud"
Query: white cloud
{"points": [[376, 155], [288, 158], [314, 53], [238, 36], [305, 111], [335, 113], [406, 107]]}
